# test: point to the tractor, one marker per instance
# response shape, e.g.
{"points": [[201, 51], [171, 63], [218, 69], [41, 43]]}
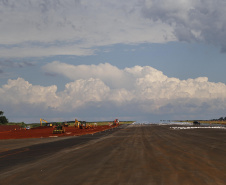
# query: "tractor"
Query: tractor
{"points": [[58, 129]]}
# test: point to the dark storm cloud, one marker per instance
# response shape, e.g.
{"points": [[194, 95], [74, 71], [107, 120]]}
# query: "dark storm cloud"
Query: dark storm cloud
{"points": [[11, 64], [192, 20], [28, 26]]}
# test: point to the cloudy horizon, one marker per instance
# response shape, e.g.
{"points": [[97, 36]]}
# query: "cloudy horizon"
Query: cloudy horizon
{"points": [[99, 60]]}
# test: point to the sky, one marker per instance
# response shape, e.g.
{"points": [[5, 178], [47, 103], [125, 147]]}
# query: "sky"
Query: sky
{"points": [[140, 60]]}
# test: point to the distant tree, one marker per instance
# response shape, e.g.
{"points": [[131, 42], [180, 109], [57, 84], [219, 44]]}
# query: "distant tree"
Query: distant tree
{"points": [[23, 124], [221, 118], [3, 119]]}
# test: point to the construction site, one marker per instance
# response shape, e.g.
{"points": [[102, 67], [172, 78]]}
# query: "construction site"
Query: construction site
{"points": [[46, 129], [171, 154]]}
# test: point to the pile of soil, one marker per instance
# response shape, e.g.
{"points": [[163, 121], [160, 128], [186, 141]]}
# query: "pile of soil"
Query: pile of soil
{"points": [[41, 132]]}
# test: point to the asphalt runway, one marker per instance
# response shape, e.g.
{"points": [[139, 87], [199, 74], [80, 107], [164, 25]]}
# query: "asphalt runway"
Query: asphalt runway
{"points": [[135, 154]]}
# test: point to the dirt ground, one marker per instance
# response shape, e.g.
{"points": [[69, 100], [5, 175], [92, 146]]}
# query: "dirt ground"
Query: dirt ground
{"points": [[7, 128], [137, 154], [15, 132]]}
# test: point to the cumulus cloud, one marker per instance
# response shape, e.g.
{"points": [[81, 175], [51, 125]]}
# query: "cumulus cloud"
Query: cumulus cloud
{"points": [[109, 74], [144, 88], [20, 91], [81, 92]]}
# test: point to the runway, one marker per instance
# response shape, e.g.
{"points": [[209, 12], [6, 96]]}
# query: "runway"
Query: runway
{"points": [[136, 154]]}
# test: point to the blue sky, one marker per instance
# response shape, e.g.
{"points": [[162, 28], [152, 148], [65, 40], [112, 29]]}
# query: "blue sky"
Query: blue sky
{"points": [[100, 60]]}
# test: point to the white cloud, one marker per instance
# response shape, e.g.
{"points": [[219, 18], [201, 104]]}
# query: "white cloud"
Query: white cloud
{"points": [[81, 92], [66, 27], [109, 74], [20, 91], [45, 28], [42, 28], [146, 91]]}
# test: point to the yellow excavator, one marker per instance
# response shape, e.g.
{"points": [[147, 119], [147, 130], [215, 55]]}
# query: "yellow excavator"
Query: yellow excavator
{"points": [[41, 120], [82, 124], [77, 123]]}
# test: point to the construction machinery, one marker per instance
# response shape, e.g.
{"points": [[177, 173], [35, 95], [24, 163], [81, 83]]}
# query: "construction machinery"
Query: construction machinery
{"points": [[196, 123], [85, 125], [58, 129], [41, 120], [116, 122], [77, 123], [82, 124], [66, 124]]}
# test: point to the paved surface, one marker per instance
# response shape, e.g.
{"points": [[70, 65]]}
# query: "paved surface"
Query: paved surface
{"points": [[10, 144], [132, 155]]}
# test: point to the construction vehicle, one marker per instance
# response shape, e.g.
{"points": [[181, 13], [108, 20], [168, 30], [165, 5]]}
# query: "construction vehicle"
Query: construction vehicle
{"points": [[58, 129], [82, 124], [116, 122], [66, 124], [77, 123], [89, 125], [41, 120], [196, 123]]}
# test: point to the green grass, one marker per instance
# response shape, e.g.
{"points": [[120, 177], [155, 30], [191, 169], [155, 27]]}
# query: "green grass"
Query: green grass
{"points": [[21, 124], [107, 122], [213, 122], [205, 121]]}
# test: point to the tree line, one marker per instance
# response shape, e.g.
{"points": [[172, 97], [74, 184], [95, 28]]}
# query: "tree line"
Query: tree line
{"points": [[220, 119], [3, 119]]}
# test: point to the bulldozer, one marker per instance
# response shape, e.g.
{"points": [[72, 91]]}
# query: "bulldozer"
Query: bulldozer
{"points": [[59, 129]]}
